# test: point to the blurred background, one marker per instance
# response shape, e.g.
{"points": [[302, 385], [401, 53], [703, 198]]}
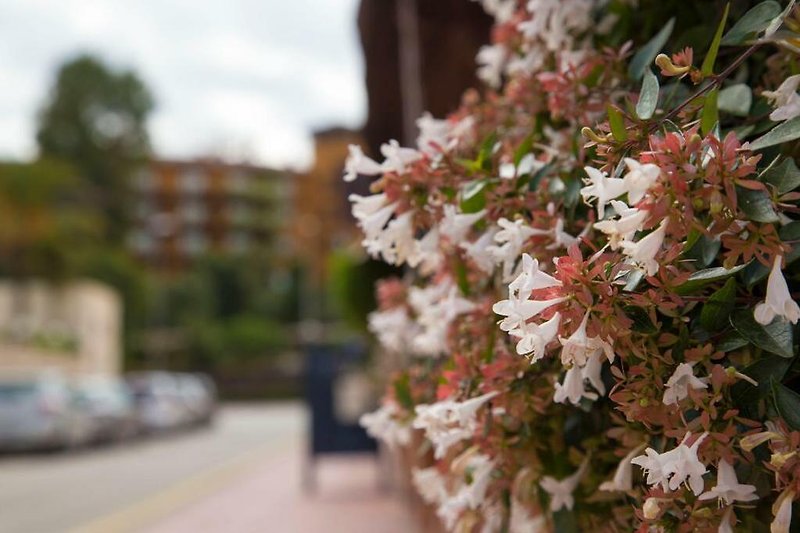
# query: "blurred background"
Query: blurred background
{"points": [[183, 298]]}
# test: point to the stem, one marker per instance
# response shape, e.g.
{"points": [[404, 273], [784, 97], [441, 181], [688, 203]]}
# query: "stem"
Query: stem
{"points": [[715, 82]]}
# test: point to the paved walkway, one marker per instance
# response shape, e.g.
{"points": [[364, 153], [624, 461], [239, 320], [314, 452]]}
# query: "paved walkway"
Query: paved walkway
{"points": [[269, 498]]}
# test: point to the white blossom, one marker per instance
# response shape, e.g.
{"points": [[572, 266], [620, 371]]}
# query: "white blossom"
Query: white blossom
{"points": [[625, 227], [560, 491], [572, 389], [383, 425], [517, 311], [448, 422], [782, 509], [639, 179], [578, 348], [358, 163], [531, 278], [433, 133], [785, 99], [671, 469], [533, 338], [427, 256], [679, 383], [623, 475], [521, 520], [728, 489], [725, 523], [430, 485], [779, 300], [397, 157], [644, 252], [480, 251], [455, 226], [491, 59], [394, 328], [602, 189], [510, 241], [436, 308], [501, 10]]}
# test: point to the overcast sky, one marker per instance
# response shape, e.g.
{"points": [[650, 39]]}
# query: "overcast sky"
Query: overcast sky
{"points": [[245, 79]]}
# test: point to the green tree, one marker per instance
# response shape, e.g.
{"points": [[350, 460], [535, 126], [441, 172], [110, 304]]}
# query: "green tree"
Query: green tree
{"points": [[95, 118]]}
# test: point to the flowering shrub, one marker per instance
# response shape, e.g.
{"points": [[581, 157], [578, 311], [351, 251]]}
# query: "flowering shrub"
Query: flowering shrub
{"points": [[599, 316]]}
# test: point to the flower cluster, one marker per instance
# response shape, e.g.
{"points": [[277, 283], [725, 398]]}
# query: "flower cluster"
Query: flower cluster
{"points": [[599, 313]]}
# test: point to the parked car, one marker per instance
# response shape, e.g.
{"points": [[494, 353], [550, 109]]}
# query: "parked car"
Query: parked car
{"points": [[37, 412], [158, 402], [199, 395], [108, 404]]}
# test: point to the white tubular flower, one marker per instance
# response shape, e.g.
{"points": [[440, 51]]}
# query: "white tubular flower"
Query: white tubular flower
{"points": [[382, 425], [357, 163], [448, 422], [397, 157], [432, 133], [455, 226], [680, 382], [778, 301], [639, 179], [592, 371], [518, 311], [602, 189], [561, 239], [397, 241], [533, 338], [623, 476], [560, 491], [393, 328], [572, 390], [491, 59], [480, 251], [644, 252], [510, 241], [782, 509], [521, 520], [671, 469], [531, 278], [785, 99], [426, 254], [625, 227], [501, 10], [430, 485], [480, 467], [728, 489], [725, 523], [578, 348]]}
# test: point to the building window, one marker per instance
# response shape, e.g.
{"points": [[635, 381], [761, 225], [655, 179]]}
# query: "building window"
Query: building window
{"points": [[237, 182], [193, 212], [194, 243], [238, 241], [193, 181]]}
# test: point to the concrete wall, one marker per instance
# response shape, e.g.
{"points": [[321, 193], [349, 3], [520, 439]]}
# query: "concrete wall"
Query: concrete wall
{"points": [[74, 327]]}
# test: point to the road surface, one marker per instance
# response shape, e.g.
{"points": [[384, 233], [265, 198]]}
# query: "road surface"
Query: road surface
{"points": [[128, 487]]}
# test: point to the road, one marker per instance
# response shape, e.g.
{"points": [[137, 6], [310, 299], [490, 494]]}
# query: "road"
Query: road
{"points": [[128, 487]]}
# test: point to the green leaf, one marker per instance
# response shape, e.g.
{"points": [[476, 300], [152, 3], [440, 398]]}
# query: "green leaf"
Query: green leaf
{"points": [[644, 57], [784, 177], [648, 96], [710, 115], [774, 338], [717, 309], [565, 522], [473, 196], [402, 392], [767, 371], [788, 131], [711, 56], [732, 341], [787, 402], [735, 100], [703, 277], [703, 250], [617, 124], [757, 205], [523, 149], [752, 22]]}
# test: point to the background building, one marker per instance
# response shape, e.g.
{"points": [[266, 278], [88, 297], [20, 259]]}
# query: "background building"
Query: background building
{"points": [[182, 210]]}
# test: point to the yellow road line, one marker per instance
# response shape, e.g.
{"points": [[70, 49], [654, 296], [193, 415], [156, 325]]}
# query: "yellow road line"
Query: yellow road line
{"points": [[160, 504]]}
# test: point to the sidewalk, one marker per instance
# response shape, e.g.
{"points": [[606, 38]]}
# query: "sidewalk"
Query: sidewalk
{"points": [[268, 497]]}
